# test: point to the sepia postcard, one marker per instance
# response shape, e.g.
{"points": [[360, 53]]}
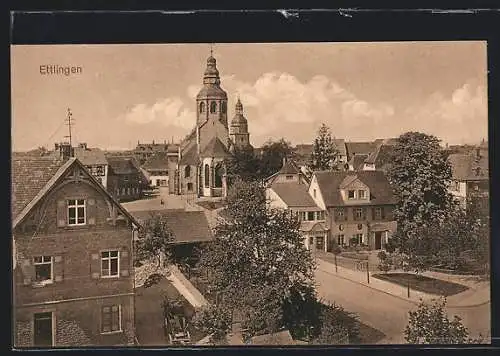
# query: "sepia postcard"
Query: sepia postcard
{"points": [[207, 194]]}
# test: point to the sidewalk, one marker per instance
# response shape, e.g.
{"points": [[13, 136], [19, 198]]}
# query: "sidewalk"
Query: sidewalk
{"points": [[477, 294]]}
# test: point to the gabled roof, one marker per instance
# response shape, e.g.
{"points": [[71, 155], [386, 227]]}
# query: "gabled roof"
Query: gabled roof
{"points": [[329, 183], [307, 226], [190, 157], [293, 194], [467, 166], [381, 156], [122, 165], [45, 185], [158, 161], [187, 226], [359, 148], [215, 148], [289, 167], [357, 161], [90, 156]]}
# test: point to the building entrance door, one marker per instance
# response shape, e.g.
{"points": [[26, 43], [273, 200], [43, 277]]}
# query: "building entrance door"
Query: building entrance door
{"points": [[43, 329], [378, 240]]}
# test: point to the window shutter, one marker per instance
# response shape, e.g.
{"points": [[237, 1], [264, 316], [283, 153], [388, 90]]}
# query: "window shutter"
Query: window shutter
{"points": [[58, 269], [124, 263], [373, 214], [62, 211], [382, 212], [95, 265], [28, 271], [91, 211]]}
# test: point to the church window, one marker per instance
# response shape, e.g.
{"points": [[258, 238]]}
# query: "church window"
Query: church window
{"points": [[218, 176], [213, 107], [207, 176], [223, 107], [187, 171], [202, 107]]}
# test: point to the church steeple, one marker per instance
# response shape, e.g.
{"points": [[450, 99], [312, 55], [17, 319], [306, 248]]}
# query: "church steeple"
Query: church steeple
{"points": [[239, 127]]}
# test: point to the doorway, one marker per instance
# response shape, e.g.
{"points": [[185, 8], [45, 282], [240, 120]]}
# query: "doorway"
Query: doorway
{"points": [[43, 329], [378, 240]]}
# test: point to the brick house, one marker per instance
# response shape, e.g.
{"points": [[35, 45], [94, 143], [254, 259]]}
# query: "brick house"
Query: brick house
{"points": [[73, 276], [126, 181], [359, 206]]}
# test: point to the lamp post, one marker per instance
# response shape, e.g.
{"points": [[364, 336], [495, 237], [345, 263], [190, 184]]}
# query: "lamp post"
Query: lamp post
{"points": [[367, 272], [336, 263]]}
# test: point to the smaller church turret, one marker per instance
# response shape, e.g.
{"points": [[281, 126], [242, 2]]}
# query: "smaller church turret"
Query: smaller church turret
{"points": [[239, 128]]}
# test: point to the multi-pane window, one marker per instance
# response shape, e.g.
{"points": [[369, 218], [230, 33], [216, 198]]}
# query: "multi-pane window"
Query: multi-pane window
{"points": [[351, 194], [110, 264], [43, 269], [378, 213], [361, 194], [76, 212], [340, 240], [358, 213], [358, 238], [320, 242], [310, 215], [111, 319], [289, 177]]}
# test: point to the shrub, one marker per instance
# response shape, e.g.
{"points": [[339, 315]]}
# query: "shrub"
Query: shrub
{"points": [[385, 262]]}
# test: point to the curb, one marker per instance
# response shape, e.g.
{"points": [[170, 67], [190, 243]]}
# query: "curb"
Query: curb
{"points": [[402, 298]]}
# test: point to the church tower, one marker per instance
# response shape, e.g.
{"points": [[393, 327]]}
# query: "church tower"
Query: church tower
{"points": [[239, 128], [211, 101]]}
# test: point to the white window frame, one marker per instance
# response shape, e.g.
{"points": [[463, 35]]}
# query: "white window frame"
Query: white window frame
{"points": [[75, 206], [356, 218], [361, 194], [120, 329], [51, 262], [109, 258], [341, 239]]}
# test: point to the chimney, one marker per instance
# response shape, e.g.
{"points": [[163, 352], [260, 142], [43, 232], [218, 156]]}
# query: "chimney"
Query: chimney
{"points": [[65, 151], [83, 145], [284, 160]]}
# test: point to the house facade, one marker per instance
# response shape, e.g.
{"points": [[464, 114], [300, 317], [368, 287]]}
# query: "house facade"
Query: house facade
{"points": [[95, 161], [358, 207], [125, 181], [157, 170], [73, 273]]}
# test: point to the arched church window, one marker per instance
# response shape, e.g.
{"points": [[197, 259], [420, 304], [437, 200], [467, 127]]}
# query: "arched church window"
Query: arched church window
{"points": [[218, 176], [213, 107], [207, 176], [223, 107], [187, 171], [202, 107]]}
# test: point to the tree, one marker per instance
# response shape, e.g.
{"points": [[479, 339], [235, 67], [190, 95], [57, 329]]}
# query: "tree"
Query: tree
{"points": [[242, 164], [429, 324], [385, 261], [258, 263], [154, 239], [273, 153], [213, 320], [420, 175], [335, 322], [325, 153]]}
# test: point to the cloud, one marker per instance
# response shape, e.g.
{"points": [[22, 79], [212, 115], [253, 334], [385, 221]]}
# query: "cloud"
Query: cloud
{"points": [[168, 112], [460, 117]]}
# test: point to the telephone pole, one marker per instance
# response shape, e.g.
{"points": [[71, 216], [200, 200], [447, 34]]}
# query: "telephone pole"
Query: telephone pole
{"points": [[69, 122]]}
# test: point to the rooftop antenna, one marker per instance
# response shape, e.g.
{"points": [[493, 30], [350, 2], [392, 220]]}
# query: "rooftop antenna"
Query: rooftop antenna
{"points": [[69, 122]]}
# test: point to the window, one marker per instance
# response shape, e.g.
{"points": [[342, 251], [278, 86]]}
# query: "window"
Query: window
{"points": [[218, 176], [341, 227], [320, 243], [310, 215], [314, 193], [43, 269], [289, 177], [360, 226], [358, 238], [361, 194], [320, 215], [340, 214], [190, 187], [378, 213], [351, 194], [358, 213], [110, 264], [202, 107], [223, 107], [76, 212], [187, 171], [42, 324], [111, 319], [207, 175], [213, 107], [340, 240], [303, 215]]}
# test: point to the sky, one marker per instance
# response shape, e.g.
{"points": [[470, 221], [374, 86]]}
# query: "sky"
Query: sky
{"points": [[130, 92]]}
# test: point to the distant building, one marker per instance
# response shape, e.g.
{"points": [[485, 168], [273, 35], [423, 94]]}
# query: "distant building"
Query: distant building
{"points": [[94, 160], [125, 181], [359, 206], [470, 175], [357, 148], [144, 151], [357, 161], [380, 159], [157, 170], [73, 274], [289, 172], [303, 152]]}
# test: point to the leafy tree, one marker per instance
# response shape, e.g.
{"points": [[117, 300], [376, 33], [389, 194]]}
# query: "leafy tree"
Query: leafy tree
{"points": [[420, 175], [214, 320], [243, 164], [429, 324], [335, 322], [258, 263], [154, 239], [271, 159], [385, 261], [325, 154]]}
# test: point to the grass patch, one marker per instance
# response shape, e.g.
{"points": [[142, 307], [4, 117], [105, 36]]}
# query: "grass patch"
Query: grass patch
{"points": [[368, 335], [423, 283], [211, 205]]}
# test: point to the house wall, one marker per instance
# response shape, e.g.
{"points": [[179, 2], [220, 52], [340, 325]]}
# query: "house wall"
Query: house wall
{"points": [[318, 198], [184, 180], [125, 187], [75, 253]]}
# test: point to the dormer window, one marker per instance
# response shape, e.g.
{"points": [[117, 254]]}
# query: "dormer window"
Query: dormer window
{"points": [[361, 194], [351, 194]]}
